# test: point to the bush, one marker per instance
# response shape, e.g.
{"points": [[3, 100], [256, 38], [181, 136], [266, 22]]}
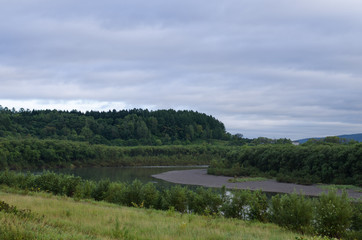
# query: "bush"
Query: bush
{"points": [[9, 178], [48, 181], [84, 189], [258, 206], [293, 212], [116, 193], [149, 195], [204, 201], [333, 214], [238, 205], [5, 207], [356, 225], [100, 191], [133, 195], [68, 184], [175, 197]]}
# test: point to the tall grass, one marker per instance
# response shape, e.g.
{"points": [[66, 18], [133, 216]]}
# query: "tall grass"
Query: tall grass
{"points": [[65, 218], [329, 215]]}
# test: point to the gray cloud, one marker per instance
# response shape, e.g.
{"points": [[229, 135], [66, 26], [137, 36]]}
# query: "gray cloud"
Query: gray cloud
{"points": [[264, 68]]}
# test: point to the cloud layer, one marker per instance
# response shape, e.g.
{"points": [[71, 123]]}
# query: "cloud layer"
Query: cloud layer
{"points": [[264, 68]]}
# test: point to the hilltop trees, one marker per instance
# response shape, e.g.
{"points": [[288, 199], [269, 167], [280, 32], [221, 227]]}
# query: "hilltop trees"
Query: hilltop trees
{"points": [[125, 127]]}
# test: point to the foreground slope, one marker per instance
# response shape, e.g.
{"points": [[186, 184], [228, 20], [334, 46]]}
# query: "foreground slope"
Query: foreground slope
{"points": [[63, 218]]}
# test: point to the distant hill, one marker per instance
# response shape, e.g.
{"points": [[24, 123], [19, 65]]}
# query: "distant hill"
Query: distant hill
{"points": [[125, 127], [356, 137]]}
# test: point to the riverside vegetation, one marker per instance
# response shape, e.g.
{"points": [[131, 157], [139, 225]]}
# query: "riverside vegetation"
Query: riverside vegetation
{"points": [[54, 217], [330, 163], [321, 162], [53, 139], [329, 215]]}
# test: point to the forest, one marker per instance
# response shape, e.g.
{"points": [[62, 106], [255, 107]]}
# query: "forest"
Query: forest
{"points": [[32, 153], [60, 139], [53, 139], [313, 162], [120, 128]]}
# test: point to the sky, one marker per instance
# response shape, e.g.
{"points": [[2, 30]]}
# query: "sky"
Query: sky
{"points": [[271, 68]]}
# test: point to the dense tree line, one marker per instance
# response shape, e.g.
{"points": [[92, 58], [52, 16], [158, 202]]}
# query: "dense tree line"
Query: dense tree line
{"points": [[330, 215], [239, 140], [309, 163], [35, 153], [125, 127], [306, 164]]}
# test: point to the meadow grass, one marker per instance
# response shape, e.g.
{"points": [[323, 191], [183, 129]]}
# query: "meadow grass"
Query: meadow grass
{"points": [[340, 187], [55, 217], [246, 179]]}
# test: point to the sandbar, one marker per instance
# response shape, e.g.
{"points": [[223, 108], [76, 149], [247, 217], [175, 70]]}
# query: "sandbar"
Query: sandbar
{"points": [[201, 178]]}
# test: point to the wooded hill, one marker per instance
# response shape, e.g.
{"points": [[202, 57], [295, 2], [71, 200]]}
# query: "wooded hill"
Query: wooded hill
{"points": [[122, 128], [348, 137]]}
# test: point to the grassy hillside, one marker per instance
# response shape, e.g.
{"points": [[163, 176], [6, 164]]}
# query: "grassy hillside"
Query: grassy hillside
{"points": [[63, 218]]}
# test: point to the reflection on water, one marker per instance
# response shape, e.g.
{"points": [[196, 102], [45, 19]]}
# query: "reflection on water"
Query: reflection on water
{"points": [[129, 174], [125, 174]]}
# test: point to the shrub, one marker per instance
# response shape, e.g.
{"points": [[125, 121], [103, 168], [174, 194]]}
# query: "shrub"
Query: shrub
{"points": [[293, 211], [100, 190], [5, 207], [204, 201], [356, 225], [48, 181], [132, 193], [8, 178], [84, 189], [238, 206], [175, 197], [68, 184], [333, 214], [116, 193], [357, 216], [149, 195], [258, 206]]}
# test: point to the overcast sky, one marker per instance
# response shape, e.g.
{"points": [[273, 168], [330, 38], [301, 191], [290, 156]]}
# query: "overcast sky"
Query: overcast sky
{"points": [[273, 68]]}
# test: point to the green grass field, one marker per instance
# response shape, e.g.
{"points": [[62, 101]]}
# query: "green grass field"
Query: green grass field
{"points": [[55, 217], [246, 179], [340, 187]]}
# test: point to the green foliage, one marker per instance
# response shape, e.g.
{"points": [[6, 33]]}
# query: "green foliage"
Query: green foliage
{"points": [[306, 164], [175, 197], [132, 193], [59, 153], [125, 127], [238, 206], [292, 211], [4, 207], [150, 195], [56, 183], [84, 189], [258, 206], [204, 201], [116, 193], [108, 221], [357, 216], [246, 179], [333, 214], [101, 189]]}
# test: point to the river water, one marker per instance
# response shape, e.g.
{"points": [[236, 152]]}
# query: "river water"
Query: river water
{"points": [[126, 174]]}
